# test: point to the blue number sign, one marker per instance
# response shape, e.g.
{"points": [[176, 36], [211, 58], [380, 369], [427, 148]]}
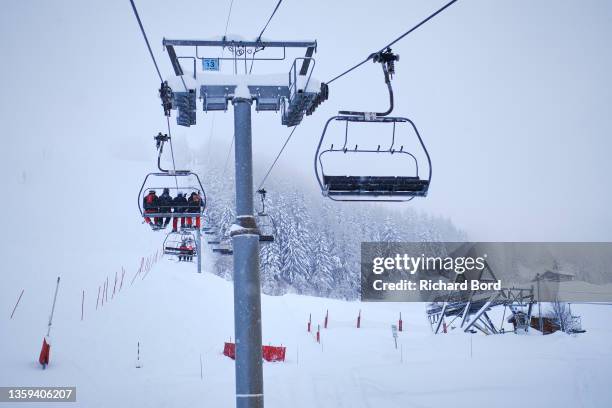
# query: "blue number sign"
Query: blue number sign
{"points": [[210, 64]]}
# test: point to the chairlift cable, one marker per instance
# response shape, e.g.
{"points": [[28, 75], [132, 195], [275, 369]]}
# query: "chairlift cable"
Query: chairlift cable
{"points": [[144, 34], [229, 14], [229, 152], [269, 19], [263, 30], [276, 159], [394, 41], [228, 17]]}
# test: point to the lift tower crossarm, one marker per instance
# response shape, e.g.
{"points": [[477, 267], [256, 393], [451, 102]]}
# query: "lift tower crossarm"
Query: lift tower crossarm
{"points": [[229, 42]]}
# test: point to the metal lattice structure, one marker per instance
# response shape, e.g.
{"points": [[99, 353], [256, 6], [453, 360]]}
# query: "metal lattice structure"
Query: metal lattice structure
{"points": [[471, 308]]}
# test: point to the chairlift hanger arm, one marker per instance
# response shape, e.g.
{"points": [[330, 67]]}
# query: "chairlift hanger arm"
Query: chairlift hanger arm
{"points": [[387, 60], [262, 193]]}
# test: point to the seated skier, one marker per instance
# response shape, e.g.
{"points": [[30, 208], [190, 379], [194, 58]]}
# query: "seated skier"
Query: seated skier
{"points": [[194, 206], [179, 205], [150, 205], [185, 251], [165, 205]]}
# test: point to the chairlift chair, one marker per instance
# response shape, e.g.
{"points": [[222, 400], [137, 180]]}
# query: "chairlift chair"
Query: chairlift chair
{"points": [[175, 243], [224, 247], [266, 227], [195, 185], [363, 187], [367, 187], [265, 223], [165, 178]]}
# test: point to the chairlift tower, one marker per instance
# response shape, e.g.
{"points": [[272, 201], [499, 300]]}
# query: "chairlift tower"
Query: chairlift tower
{"points": [[294, 94]]}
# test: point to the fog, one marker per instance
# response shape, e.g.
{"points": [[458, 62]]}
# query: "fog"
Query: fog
{"points": [[512, 98]]}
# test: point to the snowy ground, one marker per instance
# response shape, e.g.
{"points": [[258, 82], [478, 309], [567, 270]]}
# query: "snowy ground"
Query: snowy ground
{"points": [[177, 315]]}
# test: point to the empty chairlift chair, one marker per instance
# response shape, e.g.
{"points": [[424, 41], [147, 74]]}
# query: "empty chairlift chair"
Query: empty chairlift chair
{"points": [[362, 185], [225, 246], [265, 223]]}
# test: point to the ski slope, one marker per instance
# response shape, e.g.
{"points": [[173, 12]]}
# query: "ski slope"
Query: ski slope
{"points": [[178, 315]]}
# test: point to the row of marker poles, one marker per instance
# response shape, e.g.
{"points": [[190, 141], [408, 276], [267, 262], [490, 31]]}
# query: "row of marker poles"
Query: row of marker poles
{"points": [[103, 289], [45, 351], [326, 321]]}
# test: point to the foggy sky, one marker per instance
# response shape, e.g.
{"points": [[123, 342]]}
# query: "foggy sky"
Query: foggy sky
{"points": [[513, 98]]}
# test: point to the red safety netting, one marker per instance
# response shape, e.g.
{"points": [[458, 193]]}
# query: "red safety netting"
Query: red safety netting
{"points": [[269, 353]]}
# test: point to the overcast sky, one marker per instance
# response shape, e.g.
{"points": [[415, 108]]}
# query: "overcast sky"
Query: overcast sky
{"points": [[513, 98]]}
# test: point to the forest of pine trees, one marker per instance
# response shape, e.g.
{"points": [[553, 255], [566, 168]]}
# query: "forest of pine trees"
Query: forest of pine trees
{"points": [[316, 250]]}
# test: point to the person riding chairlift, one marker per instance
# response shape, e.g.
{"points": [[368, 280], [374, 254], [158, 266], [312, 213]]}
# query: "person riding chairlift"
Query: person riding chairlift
{"points": [[185, 251], [165, 205], [194, 206], [180, 205], [150, 205]]}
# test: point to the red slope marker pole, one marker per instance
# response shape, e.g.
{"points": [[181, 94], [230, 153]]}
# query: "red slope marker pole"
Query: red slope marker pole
{"points": [[359, 319], [309, 321], [326, 317], [43, 358], [400, 322], [18, 300]]}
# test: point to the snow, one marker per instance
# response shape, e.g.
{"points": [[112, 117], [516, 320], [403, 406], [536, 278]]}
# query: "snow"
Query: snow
{"points": [[235, 227], [176, 315], [242, 91]]}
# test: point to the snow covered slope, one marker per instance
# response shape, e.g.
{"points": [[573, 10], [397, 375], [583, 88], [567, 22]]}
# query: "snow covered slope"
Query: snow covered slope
{"points": [[176, 315]]}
